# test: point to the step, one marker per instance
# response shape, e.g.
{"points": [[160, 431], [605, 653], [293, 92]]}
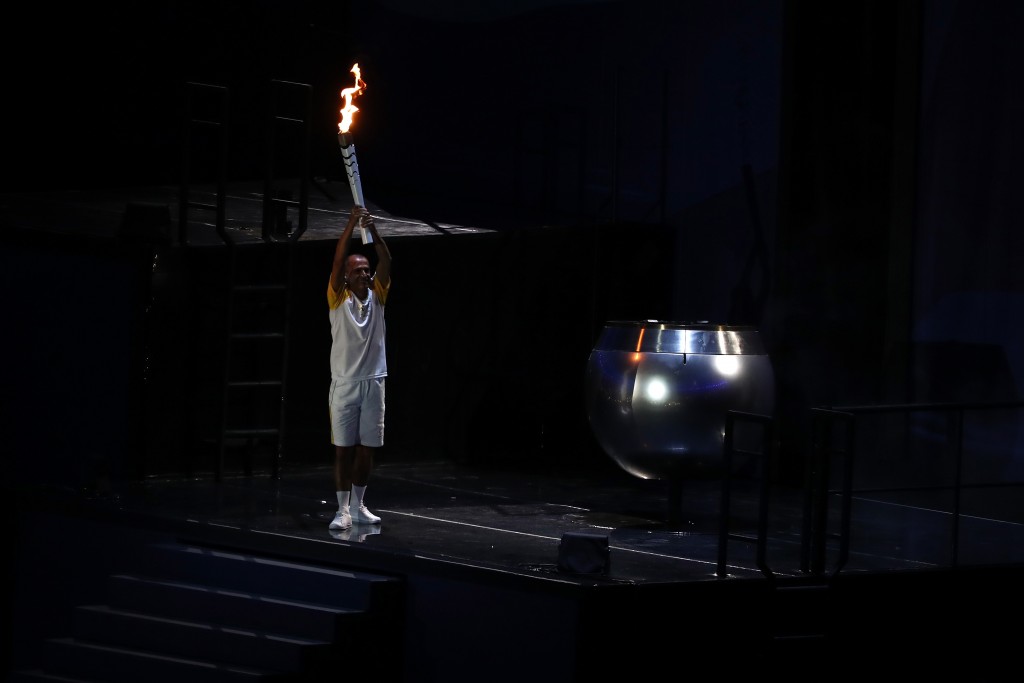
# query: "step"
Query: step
{"points": [[93, 661], [202, 640], [253, 432], [247, 336], [287, 580], [41, 676], [261, 288], [228, 607]]}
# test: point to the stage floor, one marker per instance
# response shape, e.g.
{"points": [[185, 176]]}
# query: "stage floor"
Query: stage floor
{"points": [[512, 521]]}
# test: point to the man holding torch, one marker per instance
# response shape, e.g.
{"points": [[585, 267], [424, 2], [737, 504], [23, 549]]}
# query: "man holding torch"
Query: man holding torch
{"points": [[355, 297]]}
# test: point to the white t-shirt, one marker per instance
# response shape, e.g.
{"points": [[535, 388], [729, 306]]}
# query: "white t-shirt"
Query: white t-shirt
{"points": [[357, 332]]}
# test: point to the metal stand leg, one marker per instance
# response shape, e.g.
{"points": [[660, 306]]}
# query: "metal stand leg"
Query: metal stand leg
{"points": [[675, 501]]}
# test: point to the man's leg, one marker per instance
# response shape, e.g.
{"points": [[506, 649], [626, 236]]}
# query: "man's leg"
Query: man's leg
{"points": [[343, 463], [361, 469]]}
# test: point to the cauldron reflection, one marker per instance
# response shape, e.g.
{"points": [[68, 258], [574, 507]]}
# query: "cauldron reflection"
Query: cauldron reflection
{"points": [[657, 393]]}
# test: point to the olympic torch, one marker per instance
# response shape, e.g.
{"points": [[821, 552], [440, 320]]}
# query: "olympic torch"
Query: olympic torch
{"points": [[348, 147]]}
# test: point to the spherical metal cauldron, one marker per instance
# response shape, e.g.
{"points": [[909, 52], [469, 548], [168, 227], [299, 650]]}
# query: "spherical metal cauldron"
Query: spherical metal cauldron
{"points": [[657, 393]]}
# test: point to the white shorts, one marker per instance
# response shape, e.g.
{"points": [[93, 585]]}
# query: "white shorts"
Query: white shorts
{"points": [[357, 412]]}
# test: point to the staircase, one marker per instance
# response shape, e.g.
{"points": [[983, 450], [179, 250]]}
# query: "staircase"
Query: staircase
{"points": [[200, 614]]}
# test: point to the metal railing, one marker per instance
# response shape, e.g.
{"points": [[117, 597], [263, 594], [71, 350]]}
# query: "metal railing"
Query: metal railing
{"points": [[829, 472], [834, 433], [766, 457]]}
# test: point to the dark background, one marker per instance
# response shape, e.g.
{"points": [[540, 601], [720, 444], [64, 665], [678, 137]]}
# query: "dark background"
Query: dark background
{"points": [[843, 176]]}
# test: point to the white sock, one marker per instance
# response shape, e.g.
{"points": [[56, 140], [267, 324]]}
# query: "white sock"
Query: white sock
{"points": [[342, 500], [357, 496]]}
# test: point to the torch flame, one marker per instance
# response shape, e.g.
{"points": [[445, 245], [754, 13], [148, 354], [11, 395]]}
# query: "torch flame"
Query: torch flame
{"points": [[348, 94]]}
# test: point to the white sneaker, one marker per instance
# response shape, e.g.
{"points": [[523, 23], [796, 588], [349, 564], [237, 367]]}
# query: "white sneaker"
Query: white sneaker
{"points": [[342, 519], [364, 516]]}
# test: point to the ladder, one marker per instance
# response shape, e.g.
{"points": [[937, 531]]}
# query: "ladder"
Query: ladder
{"points": [[204, 152], [254, 400], [259, 272]]}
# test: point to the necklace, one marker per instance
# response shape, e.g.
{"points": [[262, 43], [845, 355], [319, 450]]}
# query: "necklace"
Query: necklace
{"points": [[364, 306]]}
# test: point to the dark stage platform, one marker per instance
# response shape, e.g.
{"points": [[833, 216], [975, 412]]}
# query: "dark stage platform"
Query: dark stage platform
{"points": [[511, 520], [476, 553]]}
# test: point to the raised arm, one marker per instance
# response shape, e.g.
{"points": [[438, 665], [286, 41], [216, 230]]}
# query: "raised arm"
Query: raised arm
{"points": [[341, 249], [383, 272]]}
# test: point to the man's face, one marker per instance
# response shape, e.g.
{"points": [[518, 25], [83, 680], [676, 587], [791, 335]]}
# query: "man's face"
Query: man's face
{"points": [[357, 274]]}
